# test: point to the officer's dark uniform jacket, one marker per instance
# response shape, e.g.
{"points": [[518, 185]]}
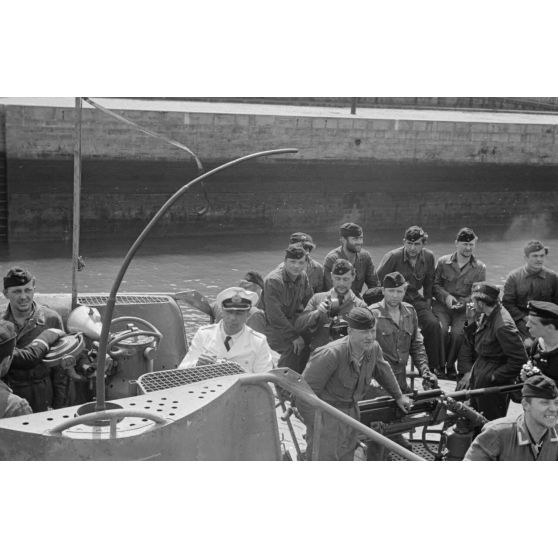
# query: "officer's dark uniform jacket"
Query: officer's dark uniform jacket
{"points": [[26, 377], [545, 361], [494, 353], [507, 439]]}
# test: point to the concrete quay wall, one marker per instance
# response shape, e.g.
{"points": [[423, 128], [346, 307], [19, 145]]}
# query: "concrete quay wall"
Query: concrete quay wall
{"points": [[385, 173]]}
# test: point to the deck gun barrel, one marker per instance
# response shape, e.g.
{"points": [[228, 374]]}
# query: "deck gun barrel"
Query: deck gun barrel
{"points": [[432, 402]]}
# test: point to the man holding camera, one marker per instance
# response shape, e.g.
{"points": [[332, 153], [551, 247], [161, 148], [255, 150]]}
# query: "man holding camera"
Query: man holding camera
{"points": [[323, 319]]}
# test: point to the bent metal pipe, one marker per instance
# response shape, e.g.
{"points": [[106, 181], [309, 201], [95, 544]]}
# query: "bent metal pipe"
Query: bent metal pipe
{"points": [[101, 361]]}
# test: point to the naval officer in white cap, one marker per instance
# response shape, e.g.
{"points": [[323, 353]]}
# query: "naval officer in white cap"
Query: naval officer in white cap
{"points": [[231, 338]]}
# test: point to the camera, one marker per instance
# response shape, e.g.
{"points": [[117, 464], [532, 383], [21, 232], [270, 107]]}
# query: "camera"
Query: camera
{"points": [[332, 307], [337, 328]]}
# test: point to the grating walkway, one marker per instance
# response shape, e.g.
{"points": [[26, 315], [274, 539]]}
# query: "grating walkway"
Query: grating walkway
{"points": [[165, 379]]}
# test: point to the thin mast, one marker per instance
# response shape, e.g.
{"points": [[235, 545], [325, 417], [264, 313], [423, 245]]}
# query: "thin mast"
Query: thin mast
{"points": [[77, 200]]}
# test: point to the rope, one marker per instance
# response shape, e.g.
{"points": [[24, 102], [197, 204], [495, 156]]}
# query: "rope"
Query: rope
{"points": [[160, 137]]}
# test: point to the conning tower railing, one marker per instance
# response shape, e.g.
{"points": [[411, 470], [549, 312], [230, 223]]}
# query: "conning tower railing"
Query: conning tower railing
{"points": [[296, 385]]}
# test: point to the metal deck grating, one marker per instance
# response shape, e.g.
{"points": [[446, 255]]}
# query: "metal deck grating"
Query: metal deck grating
{"points": [[165, 379], [419, 449], [99, 300]]}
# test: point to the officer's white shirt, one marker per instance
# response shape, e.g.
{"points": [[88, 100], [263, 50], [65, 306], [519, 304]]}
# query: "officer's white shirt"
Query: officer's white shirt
{"points": [[249, 348]]}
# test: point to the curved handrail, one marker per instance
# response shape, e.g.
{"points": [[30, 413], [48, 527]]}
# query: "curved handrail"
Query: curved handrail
{"points": [[111, 415], [111, 302], [305, 393]]}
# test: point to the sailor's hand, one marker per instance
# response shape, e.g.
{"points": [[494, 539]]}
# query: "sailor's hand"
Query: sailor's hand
{"points": [[404, 403], [528, 343], [324, 306], [451, 301], [51, 336], [429, 380], [298, 345], [464, 382], [205, 359]]}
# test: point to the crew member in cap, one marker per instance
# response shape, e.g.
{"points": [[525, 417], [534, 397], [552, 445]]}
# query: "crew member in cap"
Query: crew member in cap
{"points": [[314, 269], [533, 281], [492, 353], [12, 405], [43, 387], [286, 293], [531, 436], [399, 336], [339, 374], [453, 280], [324, 310], [542, 323], [416, 264], [231, 338], [252, 281], [351, 237], [398, 333]]}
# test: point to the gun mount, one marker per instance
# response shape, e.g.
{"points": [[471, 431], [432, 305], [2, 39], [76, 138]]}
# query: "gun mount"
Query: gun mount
{"points": [[445, 415]]}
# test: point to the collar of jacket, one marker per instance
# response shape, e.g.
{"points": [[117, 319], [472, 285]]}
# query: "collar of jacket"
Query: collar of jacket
{"points": [[541, 272], [453, 259], [523, 438], [385, 312], [233, 337], [492, 316], [485, 320], [350, 295], [367, 355], [37, 316], [420, 257], [287, 278]]}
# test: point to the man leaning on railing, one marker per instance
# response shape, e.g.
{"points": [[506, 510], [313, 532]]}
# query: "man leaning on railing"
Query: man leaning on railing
{"points": [[339, 373]]}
